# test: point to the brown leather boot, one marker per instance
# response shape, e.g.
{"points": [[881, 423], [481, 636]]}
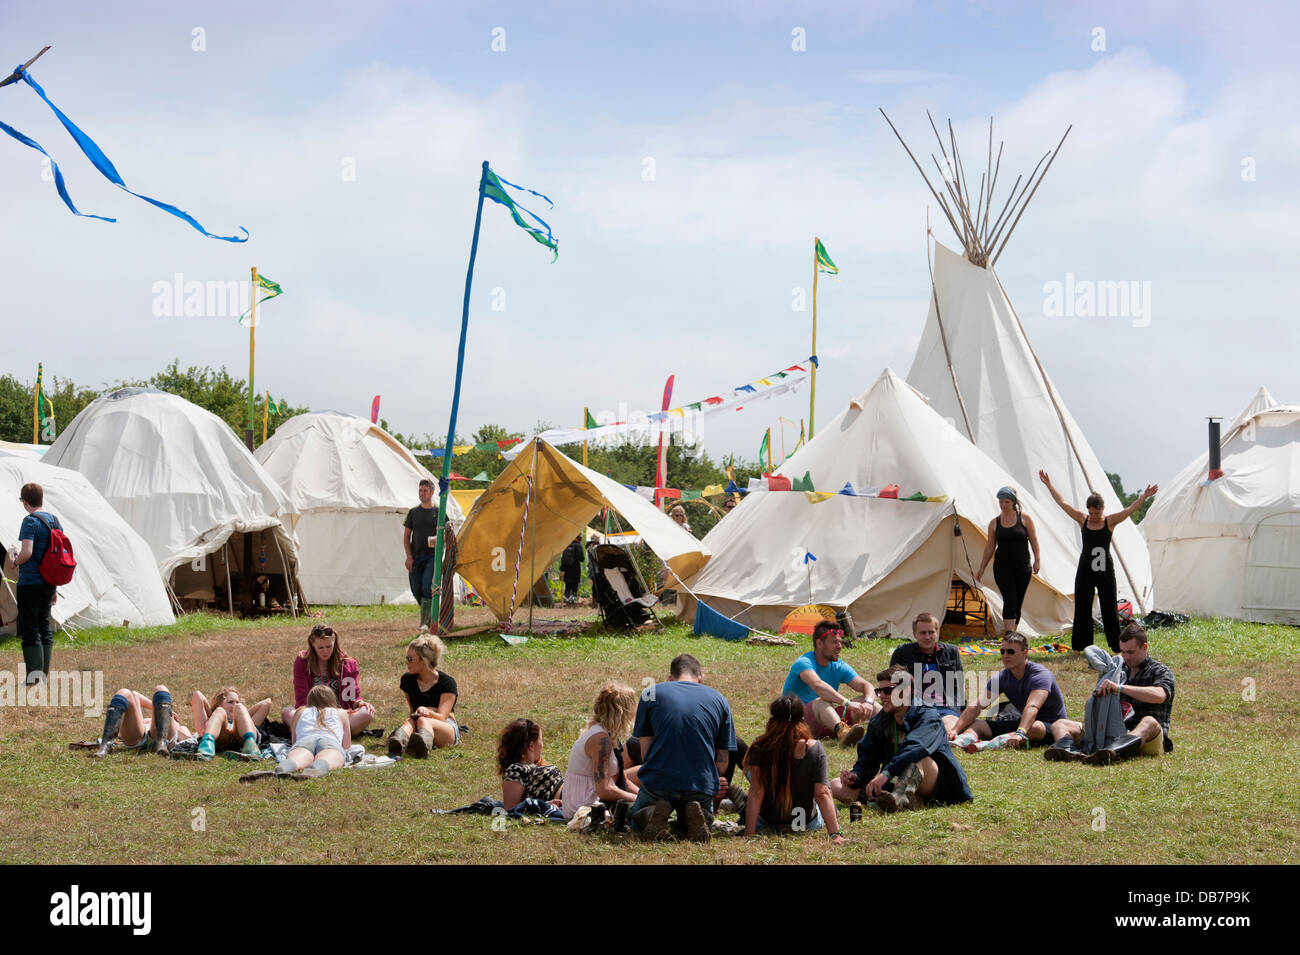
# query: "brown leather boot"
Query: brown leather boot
{"points": [[398, 741]]}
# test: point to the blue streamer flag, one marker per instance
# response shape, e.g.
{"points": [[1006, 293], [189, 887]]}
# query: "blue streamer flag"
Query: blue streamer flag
{"points": [[493, 189], [100, 162]]}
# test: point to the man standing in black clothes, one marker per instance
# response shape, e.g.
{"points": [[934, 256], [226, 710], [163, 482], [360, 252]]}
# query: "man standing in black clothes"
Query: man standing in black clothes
{"points": [[935, 669]]}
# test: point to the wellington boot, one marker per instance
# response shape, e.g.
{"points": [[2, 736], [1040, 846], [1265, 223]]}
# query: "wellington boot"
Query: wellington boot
{"points": [[161, 728], [1064, 751], [1121, 748], [426, 614], [398, 740], [421, 744], [903, 796]]}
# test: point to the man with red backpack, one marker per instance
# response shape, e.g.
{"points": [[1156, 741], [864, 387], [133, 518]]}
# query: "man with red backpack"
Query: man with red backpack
{"points": [[36, 594]]}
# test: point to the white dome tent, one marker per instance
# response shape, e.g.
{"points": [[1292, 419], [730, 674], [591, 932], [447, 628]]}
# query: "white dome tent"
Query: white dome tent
{"points": [[1230, 547], [179, 476], [115, 583], [350, 484]]}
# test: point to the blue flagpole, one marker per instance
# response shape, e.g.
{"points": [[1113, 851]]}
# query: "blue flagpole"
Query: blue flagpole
{"points": [[444, 485]]}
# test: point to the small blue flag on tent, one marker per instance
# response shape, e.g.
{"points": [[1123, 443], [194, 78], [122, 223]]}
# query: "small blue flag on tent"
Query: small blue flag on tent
{"points": [[809, 556]]}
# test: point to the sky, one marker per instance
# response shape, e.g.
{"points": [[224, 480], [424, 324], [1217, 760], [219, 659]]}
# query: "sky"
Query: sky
{"points": [[692, 151]]}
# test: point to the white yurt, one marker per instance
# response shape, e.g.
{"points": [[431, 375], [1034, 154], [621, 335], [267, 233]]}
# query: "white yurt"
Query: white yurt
{"points": [[1227, 543], [350, 485], [116, 581], [182, 479]]}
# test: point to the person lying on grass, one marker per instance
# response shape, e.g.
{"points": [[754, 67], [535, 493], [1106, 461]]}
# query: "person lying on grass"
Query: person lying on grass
{"points": [[431, 696], [126, 719], [324, 663], [321, 737], [789, 784], [523, 773], [226, 722]]}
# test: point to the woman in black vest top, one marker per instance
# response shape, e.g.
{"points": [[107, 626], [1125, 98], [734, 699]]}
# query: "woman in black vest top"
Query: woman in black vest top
{"points": [[1096, 573], [1010, 536]]}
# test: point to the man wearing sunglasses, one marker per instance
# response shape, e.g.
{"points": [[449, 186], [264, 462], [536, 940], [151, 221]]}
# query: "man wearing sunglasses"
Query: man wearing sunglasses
{"points": [[904, 761], [1032, 689]]}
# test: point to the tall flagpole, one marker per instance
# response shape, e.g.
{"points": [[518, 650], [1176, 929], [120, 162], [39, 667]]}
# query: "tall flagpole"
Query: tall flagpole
{"points": [[36, 398], [252, 395], [812, 392], [585, 413], [266, 412], [444, 484]]}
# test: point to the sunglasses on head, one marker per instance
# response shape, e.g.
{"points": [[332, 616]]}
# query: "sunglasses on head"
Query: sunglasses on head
{"points": [[320, 630]]}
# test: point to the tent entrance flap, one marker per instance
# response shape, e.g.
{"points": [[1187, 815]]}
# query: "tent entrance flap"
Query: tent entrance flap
{"points": [[966, 617], [246, 575]]}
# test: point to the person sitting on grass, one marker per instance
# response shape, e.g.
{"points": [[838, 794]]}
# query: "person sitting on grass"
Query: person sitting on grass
{"points": [[816, 678], [125, 718], [789, 782], [731, 795], [324, 663], [687, 733], [1032, 690], [519, 760], [225, 722], [431, 696], [595, 770], [935, 668], [905, 760], [1147, 690], [321, 737]]}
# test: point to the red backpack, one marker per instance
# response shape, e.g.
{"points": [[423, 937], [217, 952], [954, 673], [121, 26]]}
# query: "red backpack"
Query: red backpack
{"points": [[58, 564]]}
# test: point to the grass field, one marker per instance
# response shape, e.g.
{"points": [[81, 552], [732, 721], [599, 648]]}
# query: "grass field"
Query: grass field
{"points": [[1226, 795]]}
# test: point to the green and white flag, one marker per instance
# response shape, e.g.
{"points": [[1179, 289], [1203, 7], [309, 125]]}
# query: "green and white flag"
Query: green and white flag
{"points": [[494, 189], [264, 284]]}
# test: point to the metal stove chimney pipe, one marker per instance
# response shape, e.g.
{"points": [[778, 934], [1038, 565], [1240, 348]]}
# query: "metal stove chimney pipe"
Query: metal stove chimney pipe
{"points": [[1216, 471]]}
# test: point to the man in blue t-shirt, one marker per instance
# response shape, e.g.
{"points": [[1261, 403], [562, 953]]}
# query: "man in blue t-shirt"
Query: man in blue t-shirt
{"points": [[1032, 690], [816, 678], [35, 597], [686, 735]]}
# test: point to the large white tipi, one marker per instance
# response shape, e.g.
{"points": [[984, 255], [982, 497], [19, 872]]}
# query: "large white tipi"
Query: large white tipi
{"points": [[179, 476], [350, 483], [976, 365], [1229, 546], [884, 559]]}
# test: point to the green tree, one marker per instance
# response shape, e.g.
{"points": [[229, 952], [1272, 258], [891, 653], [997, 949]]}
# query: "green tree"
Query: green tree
{"points": [[16, 398], [1128, 499]]}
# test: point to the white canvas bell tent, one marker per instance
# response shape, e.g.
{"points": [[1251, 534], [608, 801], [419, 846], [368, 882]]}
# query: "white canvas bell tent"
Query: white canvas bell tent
{"points": [[978, 368], [179, 476], [350, 483], [542, 500], [1230, 547], [884, 559], [116, 580]]}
